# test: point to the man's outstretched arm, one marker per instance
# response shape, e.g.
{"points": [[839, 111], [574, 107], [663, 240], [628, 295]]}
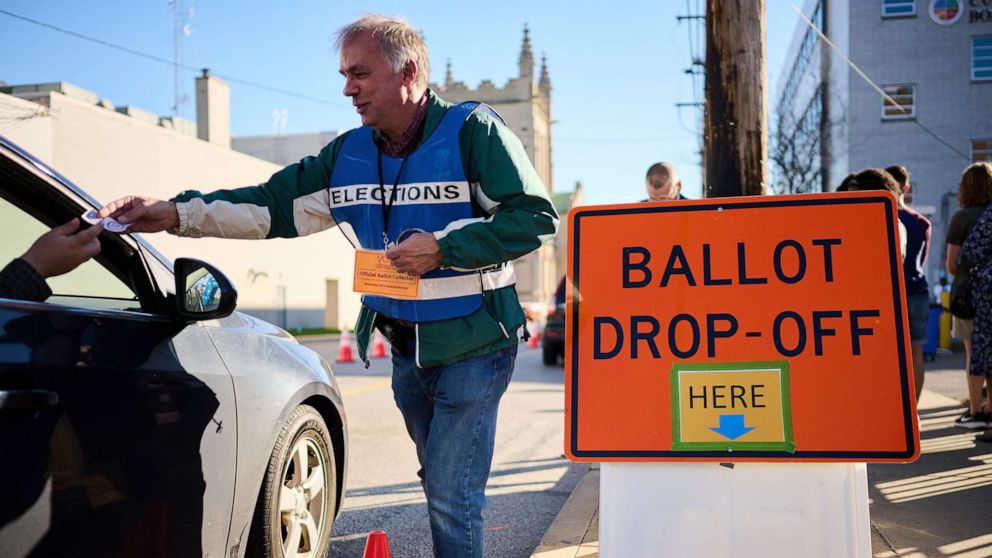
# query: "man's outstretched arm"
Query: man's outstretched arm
{"points": [[293, 202]]}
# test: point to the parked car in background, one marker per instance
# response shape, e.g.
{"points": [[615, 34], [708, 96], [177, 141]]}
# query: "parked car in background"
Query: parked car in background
{"points": [[553, 340], [140, 415]]}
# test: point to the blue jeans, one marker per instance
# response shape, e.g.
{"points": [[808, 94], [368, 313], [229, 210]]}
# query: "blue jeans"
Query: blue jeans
{"points": [[450, 413]]}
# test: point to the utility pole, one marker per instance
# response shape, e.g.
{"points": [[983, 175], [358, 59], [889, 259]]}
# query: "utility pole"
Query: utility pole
{"points": [[736, 131]]}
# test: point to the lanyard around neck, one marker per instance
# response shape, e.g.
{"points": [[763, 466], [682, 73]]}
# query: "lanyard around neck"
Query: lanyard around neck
{"points": [[387, 208]]}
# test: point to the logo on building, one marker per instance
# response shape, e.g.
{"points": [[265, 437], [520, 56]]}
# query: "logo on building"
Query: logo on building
{"points": [[945, 12]]}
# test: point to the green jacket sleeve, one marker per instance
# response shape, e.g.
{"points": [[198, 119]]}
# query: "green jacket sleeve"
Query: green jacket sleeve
{"points": [[293, 202], [506, 186]]}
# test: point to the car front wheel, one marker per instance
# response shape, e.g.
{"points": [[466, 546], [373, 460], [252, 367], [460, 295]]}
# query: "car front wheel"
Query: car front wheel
{"points": [[295, 510]]}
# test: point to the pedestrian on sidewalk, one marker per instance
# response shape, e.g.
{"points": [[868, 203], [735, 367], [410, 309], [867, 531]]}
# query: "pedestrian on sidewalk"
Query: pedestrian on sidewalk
{"points": [[448, 193], [876, 179], [845, 185], [974, 195], [978, 249], [914, 270]]}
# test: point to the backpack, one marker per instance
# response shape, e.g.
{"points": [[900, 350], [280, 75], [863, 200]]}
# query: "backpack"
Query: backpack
{"points": [[962, 302]]}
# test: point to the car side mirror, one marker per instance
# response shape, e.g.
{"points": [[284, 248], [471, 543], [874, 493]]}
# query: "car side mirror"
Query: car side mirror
{"points": [[202, 291]]}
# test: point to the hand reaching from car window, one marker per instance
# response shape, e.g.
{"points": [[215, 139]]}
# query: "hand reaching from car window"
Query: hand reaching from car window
{"points": [[144, 214], [63, 249]]}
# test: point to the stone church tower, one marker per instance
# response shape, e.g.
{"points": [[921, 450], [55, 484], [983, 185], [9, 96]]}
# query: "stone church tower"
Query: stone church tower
{"points": [[525, 104]]}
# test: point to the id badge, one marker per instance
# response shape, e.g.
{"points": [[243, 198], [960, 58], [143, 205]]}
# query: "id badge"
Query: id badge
{"points": [[376, 275]]}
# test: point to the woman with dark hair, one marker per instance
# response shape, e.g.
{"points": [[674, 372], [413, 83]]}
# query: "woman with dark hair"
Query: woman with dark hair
{"points": [[915, 229], [974, 196], [845, 185]]}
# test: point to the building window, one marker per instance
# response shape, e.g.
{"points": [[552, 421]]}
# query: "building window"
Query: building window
{"points": [[981, 58], [900, 104], [898, 8], [981, 150]]}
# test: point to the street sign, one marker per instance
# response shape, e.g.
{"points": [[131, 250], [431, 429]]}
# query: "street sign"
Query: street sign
{"points": [[739, 329]]}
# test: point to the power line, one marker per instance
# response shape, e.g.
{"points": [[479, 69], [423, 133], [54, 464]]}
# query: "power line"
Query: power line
{"points": [[171, 63]]}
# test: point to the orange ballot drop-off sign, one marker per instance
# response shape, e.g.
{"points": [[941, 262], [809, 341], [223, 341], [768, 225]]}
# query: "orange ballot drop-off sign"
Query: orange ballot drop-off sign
{"points": [[743, 329]]}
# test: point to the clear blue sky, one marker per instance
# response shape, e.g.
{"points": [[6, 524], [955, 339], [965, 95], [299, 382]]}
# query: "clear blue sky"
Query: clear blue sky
{"points": [[617, 69]]}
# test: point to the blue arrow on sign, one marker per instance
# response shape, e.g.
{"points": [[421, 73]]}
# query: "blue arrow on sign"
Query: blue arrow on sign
{"points": [[732, 427]]}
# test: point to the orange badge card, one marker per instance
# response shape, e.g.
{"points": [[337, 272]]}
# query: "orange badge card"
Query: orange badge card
{"points": [[376, 275], [769, 328]]}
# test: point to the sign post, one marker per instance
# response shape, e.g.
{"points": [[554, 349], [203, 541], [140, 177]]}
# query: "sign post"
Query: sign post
{"points": [[765, 333]]}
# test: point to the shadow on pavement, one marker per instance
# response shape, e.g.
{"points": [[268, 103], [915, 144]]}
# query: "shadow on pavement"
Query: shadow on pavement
{"points": [[514, 523], [940, 505]]}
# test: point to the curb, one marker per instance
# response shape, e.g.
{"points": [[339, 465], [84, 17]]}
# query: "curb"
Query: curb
{"points": [[574, 532]]}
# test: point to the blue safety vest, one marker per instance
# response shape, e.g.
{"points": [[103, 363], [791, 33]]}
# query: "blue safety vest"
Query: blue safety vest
{"points": [[432, 195]]}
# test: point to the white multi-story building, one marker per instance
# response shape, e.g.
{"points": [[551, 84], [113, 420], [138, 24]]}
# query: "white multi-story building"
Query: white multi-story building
{"points": [[933, 60]]}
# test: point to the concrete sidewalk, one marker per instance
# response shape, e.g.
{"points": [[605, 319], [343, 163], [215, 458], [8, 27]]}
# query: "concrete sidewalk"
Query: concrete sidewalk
{"points": [[937, 507]]}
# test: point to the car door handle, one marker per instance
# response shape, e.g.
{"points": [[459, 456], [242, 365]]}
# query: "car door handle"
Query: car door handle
{"points": [[27, 399]]}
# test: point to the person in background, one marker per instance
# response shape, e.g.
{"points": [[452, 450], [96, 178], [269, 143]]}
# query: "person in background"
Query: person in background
{"points": [[662, 183], [977, 248], [56, 252], [877, 179], [974, 196], [845, 185], [918, 230]]}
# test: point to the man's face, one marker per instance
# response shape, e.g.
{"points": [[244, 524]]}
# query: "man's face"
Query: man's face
{"points": [[660, 188], [376, 92]]}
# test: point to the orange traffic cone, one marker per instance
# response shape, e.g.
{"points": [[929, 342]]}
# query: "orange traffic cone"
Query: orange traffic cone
{"points": [[378, 345], [344, 348], [376, 546], [535, 340]]}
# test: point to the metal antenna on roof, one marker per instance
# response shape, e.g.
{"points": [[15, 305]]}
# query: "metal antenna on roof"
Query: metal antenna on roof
{"points": [[180, 30]]}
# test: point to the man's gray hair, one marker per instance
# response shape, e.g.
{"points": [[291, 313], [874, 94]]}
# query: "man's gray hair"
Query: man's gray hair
{"points": [[399, 42]]}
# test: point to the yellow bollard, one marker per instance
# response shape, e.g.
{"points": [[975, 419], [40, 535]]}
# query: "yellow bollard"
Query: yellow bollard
{"points": [[945, 320]]}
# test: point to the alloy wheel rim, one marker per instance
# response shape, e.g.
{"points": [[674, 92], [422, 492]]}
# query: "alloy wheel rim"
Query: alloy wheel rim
{"points": [[302, 496]]}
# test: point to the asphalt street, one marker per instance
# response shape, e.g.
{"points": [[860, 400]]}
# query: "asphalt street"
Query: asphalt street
{"points": [[530, 478]]}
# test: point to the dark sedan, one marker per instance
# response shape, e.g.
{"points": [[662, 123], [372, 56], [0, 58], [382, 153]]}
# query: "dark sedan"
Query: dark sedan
{"points": [[135, 422]]}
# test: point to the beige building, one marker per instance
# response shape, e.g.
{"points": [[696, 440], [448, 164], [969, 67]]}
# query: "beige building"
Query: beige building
{"points": [[284, 149], [525, 104], [564, 202], [110, 152]]}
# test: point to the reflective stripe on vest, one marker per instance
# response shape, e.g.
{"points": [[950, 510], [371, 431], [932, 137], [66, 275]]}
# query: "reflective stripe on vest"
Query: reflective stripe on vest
{"points": [[432, 193]]}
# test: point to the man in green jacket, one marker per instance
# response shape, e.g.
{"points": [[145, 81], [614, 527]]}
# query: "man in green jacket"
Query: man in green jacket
{"points": [[449, 195]]}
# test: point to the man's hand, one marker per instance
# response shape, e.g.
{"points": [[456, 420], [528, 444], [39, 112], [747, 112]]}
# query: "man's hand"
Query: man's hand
{"points": [[416, 255], [62, 249], [143, 213]]}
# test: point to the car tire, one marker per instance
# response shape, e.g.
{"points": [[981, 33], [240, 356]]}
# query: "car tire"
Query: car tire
{"points": [[295, 513], [549, 356]]}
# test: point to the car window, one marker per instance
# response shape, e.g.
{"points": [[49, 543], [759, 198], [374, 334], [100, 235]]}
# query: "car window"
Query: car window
{"points": [[89, 285]]}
